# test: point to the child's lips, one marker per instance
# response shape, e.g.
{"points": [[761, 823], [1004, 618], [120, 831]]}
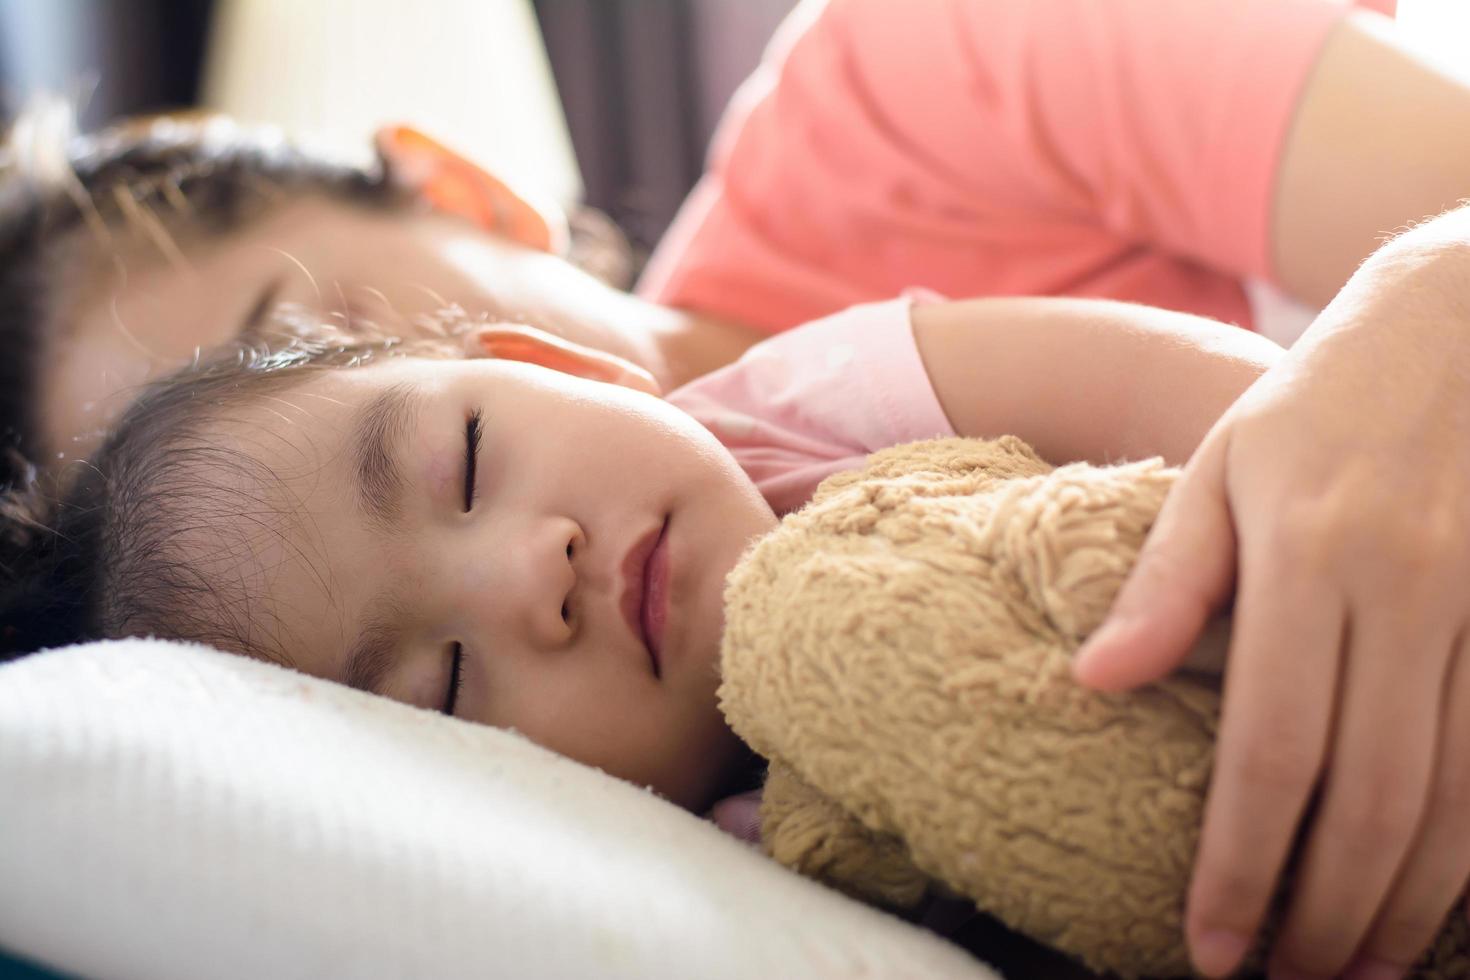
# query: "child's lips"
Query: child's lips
{"points": [[656, 599], [635, 569]]}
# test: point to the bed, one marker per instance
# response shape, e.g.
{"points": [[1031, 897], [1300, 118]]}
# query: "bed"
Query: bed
{"points": [[172, 811]]}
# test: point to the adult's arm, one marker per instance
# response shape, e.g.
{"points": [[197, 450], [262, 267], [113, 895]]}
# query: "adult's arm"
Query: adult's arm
{"points": [[1127, 149], [1333, 501], [1381, 140]]}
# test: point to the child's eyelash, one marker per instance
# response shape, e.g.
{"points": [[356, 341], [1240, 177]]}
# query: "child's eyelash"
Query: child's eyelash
{"points": [[472, 435], [456, 677]]}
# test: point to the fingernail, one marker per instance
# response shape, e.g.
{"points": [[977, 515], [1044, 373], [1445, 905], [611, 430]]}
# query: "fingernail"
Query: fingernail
{"points": [[1218, 951], [1373, 970], [1104, 635]]}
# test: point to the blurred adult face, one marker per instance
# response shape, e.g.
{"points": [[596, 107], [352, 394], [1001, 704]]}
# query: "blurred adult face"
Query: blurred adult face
{"points": [[152, 307]]}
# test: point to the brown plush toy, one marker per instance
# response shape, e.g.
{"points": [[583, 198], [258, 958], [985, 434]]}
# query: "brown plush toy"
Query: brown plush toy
{"points": [[899, 651]]}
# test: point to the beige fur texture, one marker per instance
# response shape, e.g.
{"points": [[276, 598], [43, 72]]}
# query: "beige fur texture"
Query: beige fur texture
{"points": [[899, 651]]}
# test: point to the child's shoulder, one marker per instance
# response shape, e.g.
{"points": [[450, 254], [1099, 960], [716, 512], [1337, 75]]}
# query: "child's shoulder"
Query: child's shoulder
{"points": [[862, 345]]}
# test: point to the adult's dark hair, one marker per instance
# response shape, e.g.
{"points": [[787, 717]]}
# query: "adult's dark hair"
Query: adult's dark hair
{"points": [[58, 188]]}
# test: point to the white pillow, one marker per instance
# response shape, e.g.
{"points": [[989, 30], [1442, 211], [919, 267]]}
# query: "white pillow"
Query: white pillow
{"points": [[172, 811]]}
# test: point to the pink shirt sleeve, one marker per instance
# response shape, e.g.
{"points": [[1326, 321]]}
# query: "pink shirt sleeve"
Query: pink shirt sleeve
{"points": [[1117, 148], [800, 406]]}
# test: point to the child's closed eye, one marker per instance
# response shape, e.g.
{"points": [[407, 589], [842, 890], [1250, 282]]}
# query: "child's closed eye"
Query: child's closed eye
{"points": [[456, 678], [472, 434]]}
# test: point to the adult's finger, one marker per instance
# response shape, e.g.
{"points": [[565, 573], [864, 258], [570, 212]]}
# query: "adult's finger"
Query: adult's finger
{"points": [[1183, 574], [1274, 727], [1435, 871], [1375, 787]]}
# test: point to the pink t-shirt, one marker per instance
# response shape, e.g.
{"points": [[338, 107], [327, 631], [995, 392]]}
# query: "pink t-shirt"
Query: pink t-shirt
{"points": [[808, 403], [1122, 149], [800, 406]]}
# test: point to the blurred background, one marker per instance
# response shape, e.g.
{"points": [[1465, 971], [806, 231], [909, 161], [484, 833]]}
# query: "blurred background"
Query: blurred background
{"points": [[608, 103], [604, 102]]}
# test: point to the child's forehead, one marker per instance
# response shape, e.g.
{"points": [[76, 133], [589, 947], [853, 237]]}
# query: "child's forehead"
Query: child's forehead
{"points": [[334, 399], [331, 400], [425, 375], [340, 394]]}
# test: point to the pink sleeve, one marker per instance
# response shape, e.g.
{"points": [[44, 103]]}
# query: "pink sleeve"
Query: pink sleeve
{"points": [[818, 399], [985, 147]]}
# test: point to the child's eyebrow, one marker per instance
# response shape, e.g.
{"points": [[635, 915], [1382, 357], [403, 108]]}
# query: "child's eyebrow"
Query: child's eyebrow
{"points": [[370, 657], [376, 441]]}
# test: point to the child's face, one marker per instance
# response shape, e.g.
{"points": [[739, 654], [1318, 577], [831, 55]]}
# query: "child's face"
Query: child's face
{"points": [[147, 309], [367, 554]]}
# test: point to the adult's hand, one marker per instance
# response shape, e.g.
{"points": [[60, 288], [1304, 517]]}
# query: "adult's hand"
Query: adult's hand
{"points": [[1333, 501]]}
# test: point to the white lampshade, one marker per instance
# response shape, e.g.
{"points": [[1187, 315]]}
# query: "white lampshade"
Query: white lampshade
{"points": [[472, 73]]}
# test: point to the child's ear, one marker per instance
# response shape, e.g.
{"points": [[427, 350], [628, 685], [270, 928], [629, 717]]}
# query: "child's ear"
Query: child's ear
{"points": [[514, 342], [455, 185]]}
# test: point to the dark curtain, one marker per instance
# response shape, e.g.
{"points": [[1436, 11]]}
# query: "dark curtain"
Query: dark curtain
{"points": [[125, 57], [638, 106], [627, 84]]}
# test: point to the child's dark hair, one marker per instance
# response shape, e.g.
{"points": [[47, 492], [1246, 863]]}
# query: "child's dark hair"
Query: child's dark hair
{"points": [[100, 557], [56, 186]]}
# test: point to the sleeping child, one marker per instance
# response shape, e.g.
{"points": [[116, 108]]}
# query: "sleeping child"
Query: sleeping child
{"points": [[478, 524]]}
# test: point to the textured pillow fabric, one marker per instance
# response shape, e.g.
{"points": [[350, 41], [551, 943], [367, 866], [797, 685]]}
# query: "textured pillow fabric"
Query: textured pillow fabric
{"points": [[171, 811]]}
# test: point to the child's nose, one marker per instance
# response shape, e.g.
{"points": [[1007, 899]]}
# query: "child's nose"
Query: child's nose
{"points": [[522, 586]]}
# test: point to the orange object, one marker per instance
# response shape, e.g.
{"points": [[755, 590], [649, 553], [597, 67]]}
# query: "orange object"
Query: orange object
{"points": [[516, 342], [456, 185]]}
